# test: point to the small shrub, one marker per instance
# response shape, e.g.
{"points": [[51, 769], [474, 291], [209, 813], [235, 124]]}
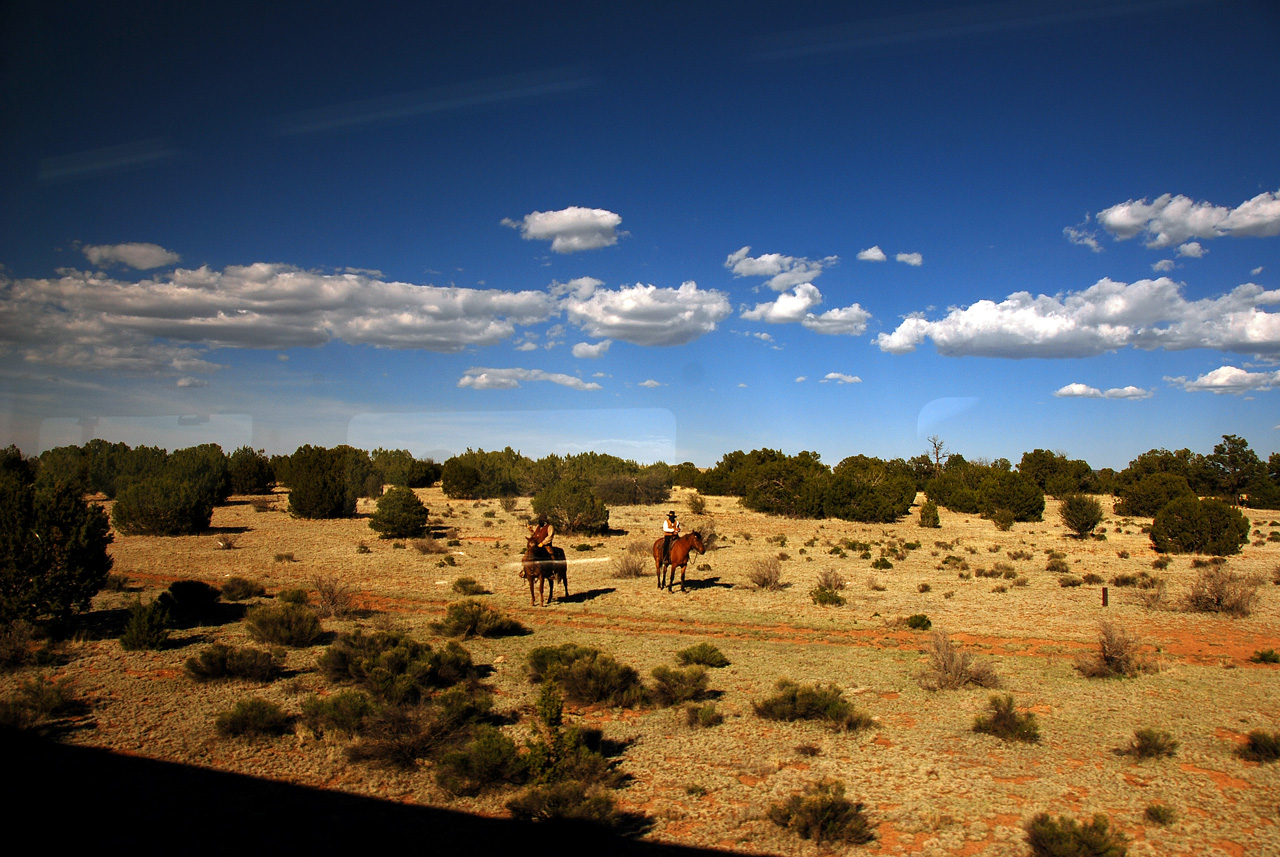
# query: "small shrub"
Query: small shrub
{"points": [[1000, 588], [344, 712], [1005, 722], [253, 718], [39, 699], [1066, 837], [1160, 563], [675, 686], [18, 645], [702, 716], [1020, 554], [226, 542], [222, 661], [334, 598], [293, 596], [766, 574], [471, 618], [1266, 656], [429, 546], [1003, 519], [923, 587], [929, 515], [1217, 590], [1158, 813], [811, 702], [1260, 746], [875, 584], [468, 586], [189, 600], [490, 760], [1151, 743], [545, 662], [146, 628], [1093, 579], [1069, 580], [602, 679], [696, 504], [393, 666], [882, 563], [362, 548], [240, 588], [703, 654], [824, 597], [1119, 655], [569, 801], [285, 557], [918, 622], [630, 565], [950, 668], [1057, 566], [1122, 554], [284, 625], [822, 813]]}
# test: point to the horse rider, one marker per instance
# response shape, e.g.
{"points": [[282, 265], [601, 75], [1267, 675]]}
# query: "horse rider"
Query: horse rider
{"points": [[670, 532], [544, 534]]}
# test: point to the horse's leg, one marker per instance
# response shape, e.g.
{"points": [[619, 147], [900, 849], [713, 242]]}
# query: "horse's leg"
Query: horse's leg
{"points": [[530, 578]]}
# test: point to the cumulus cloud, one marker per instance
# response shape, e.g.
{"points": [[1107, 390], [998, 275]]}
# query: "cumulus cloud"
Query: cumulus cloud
{"points": [[1147, 314], [1191, 250], [137, 255], [509, 379], [840, 378], [650, 383], [1229, 379], [648, 315], [1083, 391], [784, 272], [1256, 271], [801, 379], [1164, 265], [591, 350], [570, 230], [915, 260], [1083, 237], [163, 323], [1169, 219], [872, 254], [794, 307]]}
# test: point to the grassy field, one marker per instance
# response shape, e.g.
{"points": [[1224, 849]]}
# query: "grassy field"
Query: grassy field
{"points": [[930, 784]]}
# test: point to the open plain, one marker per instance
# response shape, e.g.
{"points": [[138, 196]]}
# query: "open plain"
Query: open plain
{"points": [[930, 784]]}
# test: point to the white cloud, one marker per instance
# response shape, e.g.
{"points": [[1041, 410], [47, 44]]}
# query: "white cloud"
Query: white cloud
{"points": [[1192, 250], [591, 350], [1229, 379], [648, 315], [783, 272], [651, 383], [87, 320], [191, 382], [801, 379], [872, 254], [1164, 265], [570, 230], [527, 345], [508, 379], [1083, 237], [1171, 219], [1082, 391], [580, 287], [1147, 314], [794, 307], [136, 255], [840, 378], [915, 260], [1256, 271]]}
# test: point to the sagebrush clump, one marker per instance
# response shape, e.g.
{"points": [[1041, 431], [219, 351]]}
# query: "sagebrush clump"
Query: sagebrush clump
{"points": [[822, 813], [1066, 837], [1119, 655], [951, 668], [472, 618], [812, 702], [284, 625], [1006, 722]]}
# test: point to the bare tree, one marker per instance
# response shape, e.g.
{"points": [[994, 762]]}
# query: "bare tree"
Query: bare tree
{"points": [[938, 453]]}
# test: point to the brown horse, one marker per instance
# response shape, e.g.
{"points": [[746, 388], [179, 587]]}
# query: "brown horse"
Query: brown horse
{"points": [[680, 550], [543, 564]]}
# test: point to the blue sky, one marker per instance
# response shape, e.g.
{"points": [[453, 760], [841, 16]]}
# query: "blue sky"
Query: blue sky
{"points": [[666, 231]]}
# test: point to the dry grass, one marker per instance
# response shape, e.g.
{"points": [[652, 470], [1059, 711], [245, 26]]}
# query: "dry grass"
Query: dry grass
{"points": [[951, 668], [1217, 590], [1119, 655], [766, 573]]}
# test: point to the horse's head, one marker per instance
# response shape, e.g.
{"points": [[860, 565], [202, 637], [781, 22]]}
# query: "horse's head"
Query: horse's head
{"points": [[697, 541]]}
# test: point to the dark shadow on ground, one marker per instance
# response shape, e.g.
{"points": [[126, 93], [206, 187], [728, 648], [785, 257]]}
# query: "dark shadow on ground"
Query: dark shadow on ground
{"points": [[585, 595], [149, 807], [706, 583]]}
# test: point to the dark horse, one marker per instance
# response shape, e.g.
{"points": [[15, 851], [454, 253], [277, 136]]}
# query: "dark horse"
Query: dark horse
{"points": [[680, 550], [543, 564]]}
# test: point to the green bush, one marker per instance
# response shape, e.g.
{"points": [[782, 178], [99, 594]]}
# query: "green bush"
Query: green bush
{"points": [[918, 622], [222, 661], [1151, 743], [400, 515], [811, 702], [929, 515], [1158, 813], [1066, 837], [293, 596], [702, 653], [1260, 746], [253, 718], [162, 505], [471, 618], [344, 712], [1151, 493], [284, 625], [825, 597], [203, 466], [572, 506], [702, 716], [569, 801], [1080, 513], [146, 628], [393, 666], [324, 483], [189, 600], [1003, 519], [675, 686], [53, 550], [240, 588], [1191, 525], [1011, 491], [38, 700], [546, 662], [1006, 723], [822, 813], [250, 471], [1266, 656], [489, 760], [601, 678]]}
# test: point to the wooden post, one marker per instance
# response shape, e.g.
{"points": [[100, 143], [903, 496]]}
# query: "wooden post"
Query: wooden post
{"points": [[1104, 596]]}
